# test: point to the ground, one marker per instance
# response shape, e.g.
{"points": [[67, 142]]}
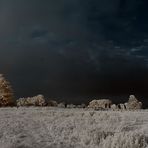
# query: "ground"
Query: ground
{"points": [[47, 127]]}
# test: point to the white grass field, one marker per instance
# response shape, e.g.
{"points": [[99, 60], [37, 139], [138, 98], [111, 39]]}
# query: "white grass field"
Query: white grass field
{"points": [[46, 127]]}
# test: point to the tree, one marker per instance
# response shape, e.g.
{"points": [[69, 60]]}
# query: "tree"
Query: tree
{"points": [[6, 92]]}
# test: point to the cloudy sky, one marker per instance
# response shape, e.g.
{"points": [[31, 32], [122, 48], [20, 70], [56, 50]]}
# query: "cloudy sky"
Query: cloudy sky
{"points": [[75, 49]]}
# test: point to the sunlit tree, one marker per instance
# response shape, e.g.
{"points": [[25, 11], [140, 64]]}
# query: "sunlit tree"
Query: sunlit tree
{"points": [[6, 92]]}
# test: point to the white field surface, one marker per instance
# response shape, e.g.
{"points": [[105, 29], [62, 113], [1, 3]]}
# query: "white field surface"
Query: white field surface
{"points": [[46, 127]]}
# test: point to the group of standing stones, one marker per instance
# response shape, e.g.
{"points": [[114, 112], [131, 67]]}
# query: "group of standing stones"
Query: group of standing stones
{"points": [[102, 104], [39, 100], [7, 99], [132, 104], [31, 101]]}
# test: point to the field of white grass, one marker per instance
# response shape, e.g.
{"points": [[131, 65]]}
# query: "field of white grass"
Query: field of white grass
{"points": [[46, 127]]}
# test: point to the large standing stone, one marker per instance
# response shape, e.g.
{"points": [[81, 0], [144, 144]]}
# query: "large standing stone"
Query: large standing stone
{"points": [[38, 100], [102, 103], [133, 103]]}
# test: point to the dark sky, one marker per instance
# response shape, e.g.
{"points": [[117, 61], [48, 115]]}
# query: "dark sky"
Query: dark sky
{"points": [[74, 50]]}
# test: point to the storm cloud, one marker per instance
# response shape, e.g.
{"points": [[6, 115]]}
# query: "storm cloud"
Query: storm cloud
{"points": [[75, 49]]}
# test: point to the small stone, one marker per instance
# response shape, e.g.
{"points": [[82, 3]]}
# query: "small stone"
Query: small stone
{"points": [[113, 106], [71, 106], [61, 105], [52, 103]]}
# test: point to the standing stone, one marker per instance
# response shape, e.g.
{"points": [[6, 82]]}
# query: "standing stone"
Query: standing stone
{"points": [[38, 100], [102, 103], [114, 107], [61, 105], [133, 103], [52, 103]]}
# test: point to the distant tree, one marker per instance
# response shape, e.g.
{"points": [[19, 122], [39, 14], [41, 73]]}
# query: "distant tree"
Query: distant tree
{"points": [[6, 92]]}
